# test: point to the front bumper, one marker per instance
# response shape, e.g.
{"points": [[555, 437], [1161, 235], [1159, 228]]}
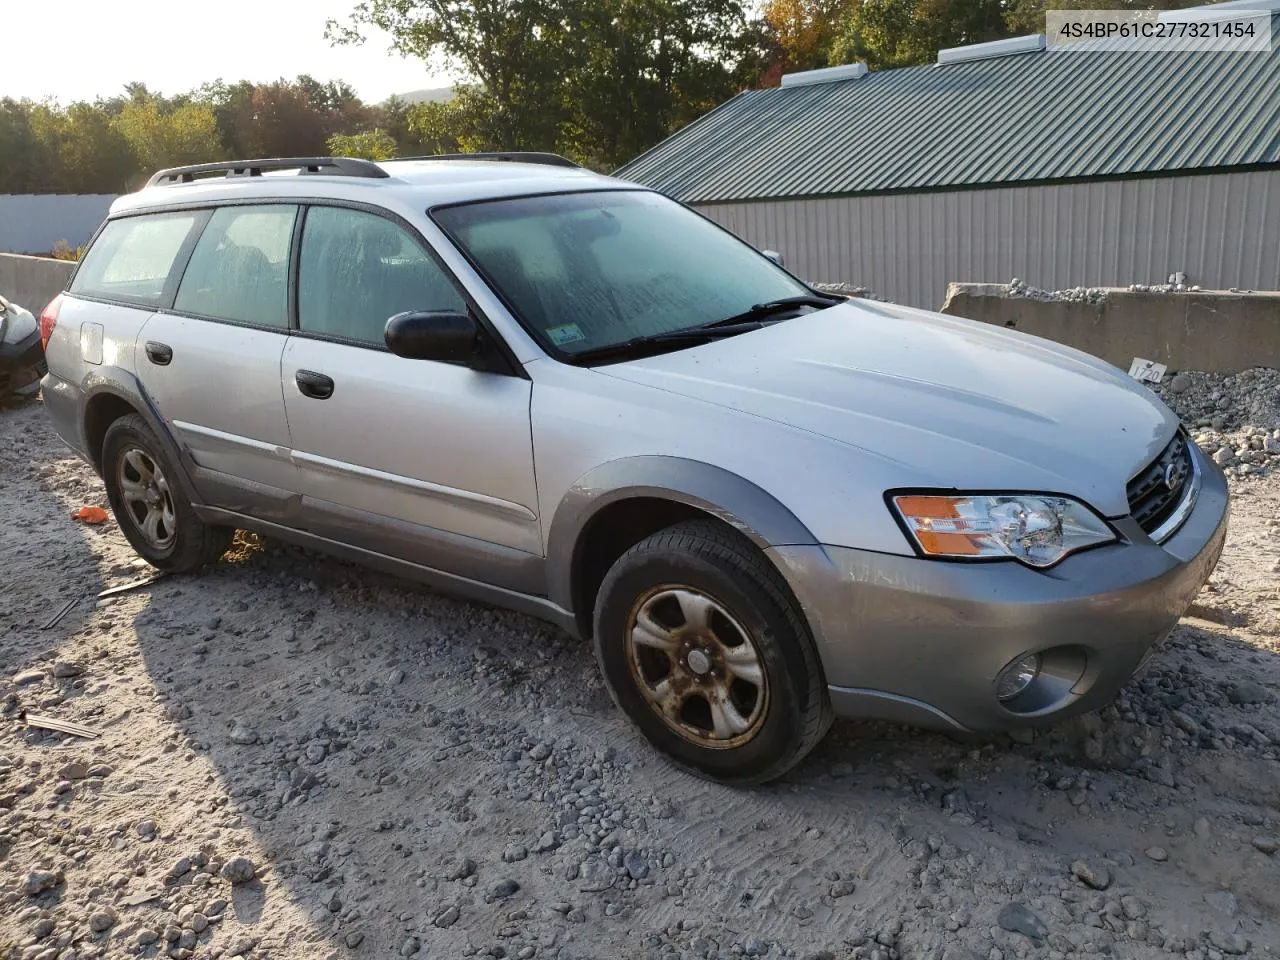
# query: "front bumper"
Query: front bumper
{"points": [[921, 641], [21, 363]]}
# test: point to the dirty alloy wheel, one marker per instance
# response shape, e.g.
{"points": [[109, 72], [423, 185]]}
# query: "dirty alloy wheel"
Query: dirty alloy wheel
{"points": [[702, 646], [154, 514]]}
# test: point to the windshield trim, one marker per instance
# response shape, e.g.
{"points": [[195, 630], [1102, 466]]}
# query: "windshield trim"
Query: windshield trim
{"points": [[538, 336]]}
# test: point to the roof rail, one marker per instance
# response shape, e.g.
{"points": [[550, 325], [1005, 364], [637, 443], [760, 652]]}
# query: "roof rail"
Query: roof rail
{"points": [[512, 156], [340, 167]]}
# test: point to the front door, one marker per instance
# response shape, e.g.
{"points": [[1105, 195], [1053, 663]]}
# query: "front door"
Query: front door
{"points": [[212, 363], [407, 457]]}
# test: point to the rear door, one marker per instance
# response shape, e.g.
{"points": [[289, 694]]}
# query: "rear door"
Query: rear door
{"points": [[414, 458], [212, 362]]}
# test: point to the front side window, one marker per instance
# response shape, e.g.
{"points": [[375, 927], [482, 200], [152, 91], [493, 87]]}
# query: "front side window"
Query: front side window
{"points": [[239, 269], [357, 270], [132, 257], [590, 270]]}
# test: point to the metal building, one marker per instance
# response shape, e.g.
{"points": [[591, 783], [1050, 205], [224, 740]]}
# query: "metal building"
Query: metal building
{"points": [[1061, 168]]}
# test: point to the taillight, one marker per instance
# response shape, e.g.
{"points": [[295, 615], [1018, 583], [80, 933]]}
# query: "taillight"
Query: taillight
{"points": [[48, 319]]}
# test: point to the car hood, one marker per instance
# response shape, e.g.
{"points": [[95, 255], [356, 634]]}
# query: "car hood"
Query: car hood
{"points": [[940, 401]]}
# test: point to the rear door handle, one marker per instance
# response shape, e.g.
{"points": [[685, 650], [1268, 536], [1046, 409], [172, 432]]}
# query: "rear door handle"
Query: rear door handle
{"points": [[314, 385], [159, 353]]}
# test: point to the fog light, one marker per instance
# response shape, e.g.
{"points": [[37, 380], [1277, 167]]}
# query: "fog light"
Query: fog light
{"points": [[1017, 676]]}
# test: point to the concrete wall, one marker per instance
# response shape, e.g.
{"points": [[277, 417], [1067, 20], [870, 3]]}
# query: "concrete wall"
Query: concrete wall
{"points": [[1212, 330], [1222, 230], [33, 223], [32, 282]]}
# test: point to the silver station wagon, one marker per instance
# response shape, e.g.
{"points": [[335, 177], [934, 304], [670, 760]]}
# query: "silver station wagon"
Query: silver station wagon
{"points": [[537, 387]]}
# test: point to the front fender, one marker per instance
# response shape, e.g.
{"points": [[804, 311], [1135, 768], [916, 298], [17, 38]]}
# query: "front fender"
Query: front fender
{"points": [[722, 494]]}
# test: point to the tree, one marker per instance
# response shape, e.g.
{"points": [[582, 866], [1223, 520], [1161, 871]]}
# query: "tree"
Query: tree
{"points": [[805, 30], [600, 81], [900, 33], [161, 139], [371, 145], [515, 50], [19, 149]]}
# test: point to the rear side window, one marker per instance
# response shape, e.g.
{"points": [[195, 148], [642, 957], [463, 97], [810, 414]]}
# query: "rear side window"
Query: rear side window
{"points": [[357, 270], [132, 257], [239, 269]]}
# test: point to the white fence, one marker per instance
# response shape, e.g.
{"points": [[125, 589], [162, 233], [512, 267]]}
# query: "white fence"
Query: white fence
{"points": [[34, 223]]}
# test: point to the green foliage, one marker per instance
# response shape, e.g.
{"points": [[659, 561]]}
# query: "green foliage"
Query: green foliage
{"points": [[371, 145], [598, 80], [188, 134], [900, 33], [113, 145]]}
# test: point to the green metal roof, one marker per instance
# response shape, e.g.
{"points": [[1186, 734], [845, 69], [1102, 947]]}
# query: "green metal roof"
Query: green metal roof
{"points": [[1042, 116]]}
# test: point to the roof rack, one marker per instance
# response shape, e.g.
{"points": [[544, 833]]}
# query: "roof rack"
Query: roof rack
{"points": [[336, 166], [511, 156]]}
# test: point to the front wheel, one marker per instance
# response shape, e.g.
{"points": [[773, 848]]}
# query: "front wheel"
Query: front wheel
{"points": [[702, 646]]}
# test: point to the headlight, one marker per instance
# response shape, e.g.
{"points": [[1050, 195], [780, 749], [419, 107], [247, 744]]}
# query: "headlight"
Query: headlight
{"points": [[1035, 529]]}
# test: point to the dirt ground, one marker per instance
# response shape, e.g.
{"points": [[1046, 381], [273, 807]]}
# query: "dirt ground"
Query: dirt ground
{"points": [[300, 759]]}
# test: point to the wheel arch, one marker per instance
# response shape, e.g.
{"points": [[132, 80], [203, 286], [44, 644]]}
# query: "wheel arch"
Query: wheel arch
{"points": [[111, 393], [619, 503]]}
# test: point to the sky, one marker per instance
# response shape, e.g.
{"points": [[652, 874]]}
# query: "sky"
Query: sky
{"points": [[82, 49]]}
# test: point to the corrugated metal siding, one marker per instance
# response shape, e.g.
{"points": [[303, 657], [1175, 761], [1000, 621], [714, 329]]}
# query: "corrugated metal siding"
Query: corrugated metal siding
{"points": [[1222, 230], [33, 223], [1037, 116]]}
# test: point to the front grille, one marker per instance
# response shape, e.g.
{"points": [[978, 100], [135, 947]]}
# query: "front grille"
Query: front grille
{"points": [[1156, 491]]}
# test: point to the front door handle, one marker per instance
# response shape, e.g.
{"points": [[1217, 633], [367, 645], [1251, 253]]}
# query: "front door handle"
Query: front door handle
{"points": [[314, 385], [159, 353]]}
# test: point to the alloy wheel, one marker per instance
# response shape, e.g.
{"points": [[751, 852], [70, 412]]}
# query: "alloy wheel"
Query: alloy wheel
{"points": [[147, 498], [698, 668]]}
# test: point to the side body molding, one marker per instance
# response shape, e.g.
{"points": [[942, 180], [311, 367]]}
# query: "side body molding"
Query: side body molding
{"points": [[714, 490]]}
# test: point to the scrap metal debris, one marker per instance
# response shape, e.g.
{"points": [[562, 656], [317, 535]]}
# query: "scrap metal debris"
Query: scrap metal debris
{"points": [[62, 612], [134, 584], [58, 726]]}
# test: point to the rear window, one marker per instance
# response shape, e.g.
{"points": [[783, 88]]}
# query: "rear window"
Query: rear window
{"points": [[132, 257]]}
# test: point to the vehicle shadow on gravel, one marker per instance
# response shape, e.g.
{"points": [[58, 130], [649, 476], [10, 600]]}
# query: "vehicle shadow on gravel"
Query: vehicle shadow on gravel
{"points": [[49, 559], [422, 770]]}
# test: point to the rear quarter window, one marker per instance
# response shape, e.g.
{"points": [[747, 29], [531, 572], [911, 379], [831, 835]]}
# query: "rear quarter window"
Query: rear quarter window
{"points": [[132, 257]]}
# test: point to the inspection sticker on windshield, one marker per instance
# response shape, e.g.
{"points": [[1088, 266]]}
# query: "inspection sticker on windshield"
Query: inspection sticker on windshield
{"points": [[1147, 371], [569, 333]]}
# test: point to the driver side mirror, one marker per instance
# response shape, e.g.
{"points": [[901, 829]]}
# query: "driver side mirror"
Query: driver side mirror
{"points": [[424, 335]]}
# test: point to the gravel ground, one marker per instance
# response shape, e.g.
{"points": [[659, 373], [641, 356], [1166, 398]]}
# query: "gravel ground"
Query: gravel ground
{"points": [[300, 759]]}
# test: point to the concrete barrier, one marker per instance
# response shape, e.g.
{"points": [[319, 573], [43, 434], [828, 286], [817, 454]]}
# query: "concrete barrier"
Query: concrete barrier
{"points": [[32, 282], [1216, 331]]}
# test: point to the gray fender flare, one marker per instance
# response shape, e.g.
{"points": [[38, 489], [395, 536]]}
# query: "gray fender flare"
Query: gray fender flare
{"points": [[125, 386], [714, 490]]}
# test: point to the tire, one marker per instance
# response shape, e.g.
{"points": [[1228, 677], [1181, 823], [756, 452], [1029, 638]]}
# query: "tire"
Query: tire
{"points": [[702, 646], [138, 477]]}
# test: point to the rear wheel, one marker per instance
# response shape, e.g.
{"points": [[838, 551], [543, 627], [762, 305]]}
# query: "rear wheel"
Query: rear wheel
{"points": [[702, 646], [154, 514]]}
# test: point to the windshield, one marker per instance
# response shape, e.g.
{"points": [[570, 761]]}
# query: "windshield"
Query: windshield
{"points": [[584, 271]]}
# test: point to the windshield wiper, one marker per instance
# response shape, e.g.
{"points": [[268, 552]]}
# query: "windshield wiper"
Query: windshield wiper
{"points": [[759, 310], [629, 348], [752, 318]]}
